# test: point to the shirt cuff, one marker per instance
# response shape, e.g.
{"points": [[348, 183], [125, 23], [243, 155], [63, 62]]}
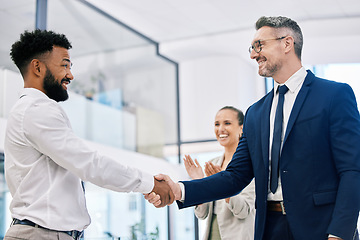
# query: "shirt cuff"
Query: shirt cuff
{"points": [[330, 235], [147, 183], [182, 188]]}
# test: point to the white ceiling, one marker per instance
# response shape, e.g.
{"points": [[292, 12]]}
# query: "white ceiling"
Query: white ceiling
{"points": [[189, 29]]}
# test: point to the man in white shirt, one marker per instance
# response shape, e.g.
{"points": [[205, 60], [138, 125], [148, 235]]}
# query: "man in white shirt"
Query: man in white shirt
{"points": [[45, 162], [300, 142]]}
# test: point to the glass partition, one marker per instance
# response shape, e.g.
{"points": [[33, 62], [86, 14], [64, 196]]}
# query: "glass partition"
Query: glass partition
{"points": [[120, 69], [113, 66], [123, 95]]}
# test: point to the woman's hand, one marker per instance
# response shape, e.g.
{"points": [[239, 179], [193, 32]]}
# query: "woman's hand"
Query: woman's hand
{"points": [[193, 169], [211, 169]]}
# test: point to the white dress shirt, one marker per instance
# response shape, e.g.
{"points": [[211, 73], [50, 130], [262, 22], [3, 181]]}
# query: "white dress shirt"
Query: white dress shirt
{"points": [[294, 84], [45, 163]]}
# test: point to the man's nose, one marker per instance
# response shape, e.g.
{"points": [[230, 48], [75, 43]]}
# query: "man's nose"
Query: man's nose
{"points": [[69, 75], [253, 54]]}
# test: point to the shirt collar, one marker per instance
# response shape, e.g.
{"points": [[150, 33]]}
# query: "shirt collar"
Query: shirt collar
{"points": [[33, 92], [294, 81]]}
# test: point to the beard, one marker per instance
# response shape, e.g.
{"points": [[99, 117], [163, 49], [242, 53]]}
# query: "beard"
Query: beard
{"points": [[53, 88], [269, 69]]}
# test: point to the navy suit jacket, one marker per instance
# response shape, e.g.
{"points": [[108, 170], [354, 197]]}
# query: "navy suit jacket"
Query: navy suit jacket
{"points": [[319, 165]]}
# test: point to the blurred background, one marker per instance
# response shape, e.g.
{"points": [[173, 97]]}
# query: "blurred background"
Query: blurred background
{"points": [[150, 76]]}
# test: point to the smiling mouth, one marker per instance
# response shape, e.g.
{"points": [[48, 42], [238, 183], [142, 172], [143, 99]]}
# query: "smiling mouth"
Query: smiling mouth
{"points": [[64, 83], [261, 62], [223, 136]]}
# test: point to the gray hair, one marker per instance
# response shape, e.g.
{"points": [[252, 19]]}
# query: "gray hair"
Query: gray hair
{"points": [[284, 23]]}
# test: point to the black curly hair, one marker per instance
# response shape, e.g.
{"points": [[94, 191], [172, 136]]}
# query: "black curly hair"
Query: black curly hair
{"points": [[32, 44]]}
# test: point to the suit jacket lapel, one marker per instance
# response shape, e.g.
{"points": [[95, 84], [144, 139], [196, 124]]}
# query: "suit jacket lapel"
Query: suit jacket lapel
{"points": [[265, 127], [299, 102]]}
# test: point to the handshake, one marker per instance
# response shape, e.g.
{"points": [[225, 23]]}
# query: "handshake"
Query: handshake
{"points": [[164, 193]]}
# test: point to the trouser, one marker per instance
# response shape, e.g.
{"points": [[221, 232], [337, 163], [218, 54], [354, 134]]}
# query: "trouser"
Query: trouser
{"points": [[277, 227], [24, 232]]}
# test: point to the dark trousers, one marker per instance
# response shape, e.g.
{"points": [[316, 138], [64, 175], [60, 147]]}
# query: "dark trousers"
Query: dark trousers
{"points": [[277, 227]]}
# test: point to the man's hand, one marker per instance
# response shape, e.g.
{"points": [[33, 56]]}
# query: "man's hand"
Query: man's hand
{"points": [[175, 187], [155, 197], [193, 169], [161, 192]]}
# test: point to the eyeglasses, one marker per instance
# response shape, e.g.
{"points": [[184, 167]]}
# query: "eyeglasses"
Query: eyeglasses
{"points": [[257, 45]]}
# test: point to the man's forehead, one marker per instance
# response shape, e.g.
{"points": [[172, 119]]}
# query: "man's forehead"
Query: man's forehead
{"points": [[61, 53], [263, 33]]}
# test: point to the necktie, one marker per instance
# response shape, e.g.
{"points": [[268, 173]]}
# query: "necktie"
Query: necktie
{"points": [[276, 144]]}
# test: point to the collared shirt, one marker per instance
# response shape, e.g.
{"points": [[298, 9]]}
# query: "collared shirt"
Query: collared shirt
{"points": [[294, 84], [45, 160]]}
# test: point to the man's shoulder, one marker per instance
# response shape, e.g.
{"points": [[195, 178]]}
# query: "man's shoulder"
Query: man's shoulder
{"points": [[32, 108], [258, 106], [322, 82]]}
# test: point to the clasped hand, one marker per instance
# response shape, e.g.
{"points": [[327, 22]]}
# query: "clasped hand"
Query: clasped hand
{"points": [[195, 170], [164, 193]]}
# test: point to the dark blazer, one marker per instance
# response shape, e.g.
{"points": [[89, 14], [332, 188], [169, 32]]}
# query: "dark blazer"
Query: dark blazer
{"points": [[319, 165]]}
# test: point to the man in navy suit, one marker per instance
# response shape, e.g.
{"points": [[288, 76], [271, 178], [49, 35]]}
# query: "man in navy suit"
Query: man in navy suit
{"points": [[307, 171]]}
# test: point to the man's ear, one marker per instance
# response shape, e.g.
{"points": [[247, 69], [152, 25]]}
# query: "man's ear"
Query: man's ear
{"points": [[37, 67], [289, 43]]}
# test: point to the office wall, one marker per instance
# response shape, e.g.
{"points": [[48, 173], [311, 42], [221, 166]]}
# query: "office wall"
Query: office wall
{"points": [[207, 84]]}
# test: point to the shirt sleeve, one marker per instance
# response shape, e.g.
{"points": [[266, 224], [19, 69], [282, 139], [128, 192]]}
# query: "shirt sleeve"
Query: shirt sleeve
{"points": [[47, 129]]}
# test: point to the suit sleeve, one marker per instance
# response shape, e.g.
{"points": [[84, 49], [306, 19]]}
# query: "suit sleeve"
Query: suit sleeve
{"points": [[345, 139], [224, 184]]}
